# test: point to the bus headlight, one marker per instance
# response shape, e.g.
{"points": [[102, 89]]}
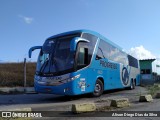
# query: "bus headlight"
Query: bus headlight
{"points": [[73, 78], [59, 82]]}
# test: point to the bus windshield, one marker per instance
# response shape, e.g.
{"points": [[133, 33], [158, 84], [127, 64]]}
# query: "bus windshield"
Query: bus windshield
{"points": [[55, 56]]}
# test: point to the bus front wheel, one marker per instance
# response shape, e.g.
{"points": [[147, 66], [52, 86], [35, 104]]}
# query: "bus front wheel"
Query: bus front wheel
{"points": [[98, 89]]}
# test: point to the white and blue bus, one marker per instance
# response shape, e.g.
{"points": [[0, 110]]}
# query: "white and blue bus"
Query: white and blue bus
{"points": [[83, 61]]}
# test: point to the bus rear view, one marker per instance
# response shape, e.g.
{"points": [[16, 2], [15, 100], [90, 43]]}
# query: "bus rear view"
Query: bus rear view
{"points": [[68, 64]]}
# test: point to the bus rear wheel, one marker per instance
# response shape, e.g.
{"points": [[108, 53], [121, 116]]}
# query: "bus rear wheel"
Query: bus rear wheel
{"points": [[98, 89]]}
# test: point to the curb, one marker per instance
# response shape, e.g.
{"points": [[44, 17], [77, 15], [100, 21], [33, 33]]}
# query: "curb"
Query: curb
{"points": [[83, 107], [8, 90], [30, 90], [120, 103], [158, 95], [145, 98], [91, 107], [18, 109]]}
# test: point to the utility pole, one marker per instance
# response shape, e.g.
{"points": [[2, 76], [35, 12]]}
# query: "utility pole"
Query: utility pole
{"points": [[24, 75]]}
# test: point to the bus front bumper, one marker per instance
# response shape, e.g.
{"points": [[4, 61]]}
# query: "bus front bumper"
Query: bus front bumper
{"points": [[59, 90]]}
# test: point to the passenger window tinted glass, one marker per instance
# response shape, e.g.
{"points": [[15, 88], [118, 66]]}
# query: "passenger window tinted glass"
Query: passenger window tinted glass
{"points": [[132, 61], [91, 45], [108, 51], [105, 49], [85, 50], [99, 54]]}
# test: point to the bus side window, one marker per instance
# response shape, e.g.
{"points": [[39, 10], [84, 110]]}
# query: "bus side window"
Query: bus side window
{"points": [[100, 54], [82, 57]]}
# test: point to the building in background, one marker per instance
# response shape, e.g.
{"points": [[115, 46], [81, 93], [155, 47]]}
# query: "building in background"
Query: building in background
{"points": [[147, 74], [157, 74]]}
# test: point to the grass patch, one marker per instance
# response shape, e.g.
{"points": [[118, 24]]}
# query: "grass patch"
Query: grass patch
{"points": [[153, 90], [16, 118], [12, 74]]}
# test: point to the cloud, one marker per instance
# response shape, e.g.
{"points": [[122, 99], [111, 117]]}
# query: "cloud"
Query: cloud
{"points": [[141, 53], [26, 19]]}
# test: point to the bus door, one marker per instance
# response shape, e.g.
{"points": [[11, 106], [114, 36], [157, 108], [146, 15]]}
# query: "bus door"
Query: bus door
{"points": [[109, 70], [113, 74]]}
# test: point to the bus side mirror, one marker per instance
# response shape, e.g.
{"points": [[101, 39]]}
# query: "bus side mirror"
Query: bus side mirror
{"points": [[75, 41], [32, 49]]}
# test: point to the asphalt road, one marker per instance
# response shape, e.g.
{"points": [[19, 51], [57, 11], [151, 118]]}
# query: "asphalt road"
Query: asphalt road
{"points": [[41, 101], [49, 102]]}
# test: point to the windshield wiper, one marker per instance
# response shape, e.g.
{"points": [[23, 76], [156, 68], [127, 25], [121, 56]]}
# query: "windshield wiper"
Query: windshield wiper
{"points": [[54, 62], [44, 65]]}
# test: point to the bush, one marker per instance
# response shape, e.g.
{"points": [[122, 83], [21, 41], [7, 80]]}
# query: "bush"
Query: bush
{"points": [[153, 89], [12, 74]]}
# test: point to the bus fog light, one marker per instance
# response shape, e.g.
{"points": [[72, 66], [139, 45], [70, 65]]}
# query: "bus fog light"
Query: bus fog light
{"points": [[66, 89]]}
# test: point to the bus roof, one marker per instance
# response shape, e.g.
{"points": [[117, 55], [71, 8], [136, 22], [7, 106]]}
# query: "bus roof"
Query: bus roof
{"points": [[86, 31]]}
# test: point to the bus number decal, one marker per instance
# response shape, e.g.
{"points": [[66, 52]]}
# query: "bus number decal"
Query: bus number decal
{"points": [[82, 84]]}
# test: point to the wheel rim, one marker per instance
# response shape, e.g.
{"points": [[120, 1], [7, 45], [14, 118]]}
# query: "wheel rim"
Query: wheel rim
{"points": [[97, 88]]}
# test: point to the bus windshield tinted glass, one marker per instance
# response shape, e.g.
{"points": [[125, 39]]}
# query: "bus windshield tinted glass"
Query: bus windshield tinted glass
{"points": [[56, 56]]}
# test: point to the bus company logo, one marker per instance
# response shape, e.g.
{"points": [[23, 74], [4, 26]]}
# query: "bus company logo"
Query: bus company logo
{"points": [[58, 78], [108, 64], [52, 78], [125, 76]]}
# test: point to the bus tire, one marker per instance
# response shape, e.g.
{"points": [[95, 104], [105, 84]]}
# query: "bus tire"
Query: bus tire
{"points": [[98, 89], [132, 86]]}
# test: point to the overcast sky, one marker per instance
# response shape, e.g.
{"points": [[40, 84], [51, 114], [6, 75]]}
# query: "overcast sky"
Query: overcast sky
{"points": [[132, 24]]}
